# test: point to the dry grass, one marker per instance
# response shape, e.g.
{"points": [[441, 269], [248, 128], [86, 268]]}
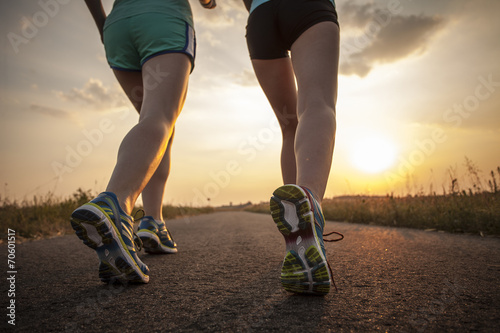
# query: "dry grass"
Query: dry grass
{"points": [[476, 213], [48, 216], [471, 205], [465, 209]]}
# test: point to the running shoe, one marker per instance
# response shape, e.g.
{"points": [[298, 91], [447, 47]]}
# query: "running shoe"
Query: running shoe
{"points": [[299, 218], [155, 236], [103, 226]]}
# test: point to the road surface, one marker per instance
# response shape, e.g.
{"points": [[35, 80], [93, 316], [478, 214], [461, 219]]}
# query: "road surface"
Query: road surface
{"points": [[226, 278]]}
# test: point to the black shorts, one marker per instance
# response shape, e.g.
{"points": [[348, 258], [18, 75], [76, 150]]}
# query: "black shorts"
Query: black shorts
{"points": [[275, 25]]}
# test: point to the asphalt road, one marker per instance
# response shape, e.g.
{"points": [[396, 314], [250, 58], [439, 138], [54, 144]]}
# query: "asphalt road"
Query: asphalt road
{"points": [[226, 278]]}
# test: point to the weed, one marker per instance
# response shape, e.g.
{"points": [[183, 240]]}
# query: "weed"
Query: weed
{"points": [[47, 216], [466, 207]]}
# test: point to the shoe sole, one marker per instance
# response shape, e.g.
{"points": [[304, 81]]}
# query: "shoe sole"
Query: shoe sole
{"points": [[304, 269], [97, 232], [152, 244]]}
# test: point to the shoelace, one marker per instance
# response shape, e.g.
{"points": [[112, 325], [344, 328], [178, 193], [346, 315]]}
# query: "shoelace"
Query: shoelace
{"points": [[170, 235], [137, 240], [333, 240]]}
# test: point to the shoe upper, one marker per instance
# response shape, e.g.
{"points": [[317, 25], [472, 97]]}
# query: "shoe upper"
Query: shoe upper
{"points": [[159, 228], [319, 219], [123, 222]]}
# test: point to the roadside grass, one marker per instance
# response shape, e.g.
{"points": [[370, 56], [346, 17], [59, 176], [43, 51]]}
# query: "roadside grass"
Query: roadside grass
{"points": [[48, 216], [471, 205], [458, 209]]}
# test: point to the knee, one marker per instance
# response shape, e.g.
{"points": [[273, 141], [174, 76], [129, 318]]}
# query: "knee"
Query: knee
{"points": [[159, 113], [317, 100], [318, 108], [289, 128], [154, 131]]}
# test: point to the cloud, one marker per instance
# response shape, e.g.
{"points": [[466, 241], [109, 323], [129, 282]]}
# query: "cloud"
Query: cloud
{"points": [[244, 78], [95, 95], [355, 15], [210, 38], [225, 14], [53, 112], [384, 38]]}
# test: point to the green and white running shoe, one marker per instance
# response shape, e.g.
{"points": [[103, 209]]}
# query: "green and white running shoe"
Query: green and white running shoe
{"points": [[155, 236], [103, 226], [299, 218]]}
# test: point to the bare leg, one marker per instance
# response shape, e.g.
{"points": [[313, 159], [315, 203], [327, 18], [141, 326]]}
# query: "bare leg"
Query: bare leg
{"points": [[131, 83], [315, 57], [165, 80], [152, 195], [278, 83]]}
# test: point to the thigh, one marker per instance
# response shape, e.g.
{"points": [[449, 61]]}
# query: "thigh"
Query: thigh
{"points": [[165, 80], [131, 83], [278, 83], [315, 57]]}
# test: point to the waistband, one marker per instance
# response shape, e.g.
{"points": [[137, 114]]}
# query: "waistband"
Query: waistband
{"points": [[256, 3]]}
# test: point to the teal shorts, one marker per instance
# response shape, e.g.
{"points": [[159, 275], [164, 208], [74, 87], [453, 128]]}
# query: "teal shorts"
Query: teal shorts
{"points": [[132, 41]]}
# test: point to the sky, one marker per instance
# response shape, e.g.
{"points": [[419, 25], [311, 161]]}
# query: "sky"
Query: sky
{"points": [[419, 94]]}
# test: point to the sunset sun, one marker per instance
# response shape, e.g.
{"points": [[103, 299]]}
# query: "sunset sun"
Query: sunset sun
{"points": [[373, 153]]}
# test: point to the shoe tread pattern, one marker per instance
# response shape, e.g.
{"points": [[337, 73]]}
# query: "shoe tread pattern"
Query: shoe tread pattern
{"points": [[303, 271]]}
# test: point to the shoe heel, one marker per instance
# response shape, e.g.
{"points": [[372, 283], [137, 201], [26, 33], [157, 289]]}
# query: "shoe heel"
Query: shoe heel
{"points": [[277, 213], [150, 241], [90, 228], [304, 271], [290, 209]]}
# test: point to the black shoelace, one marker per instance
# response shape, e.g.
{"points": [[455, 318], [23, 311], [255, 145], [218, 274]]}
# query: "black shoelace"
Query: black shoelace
{"points": [[333, 240]]}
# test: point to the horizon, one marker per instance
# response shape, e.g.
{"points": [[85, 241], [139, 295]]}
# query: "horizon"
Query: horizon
{"points": [[419, 95]]}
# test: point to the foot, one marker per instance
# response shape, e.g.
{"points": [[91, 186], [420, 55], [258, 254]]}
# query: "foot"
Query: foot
{"points": [[103, 226], [299, 218], [155, 236]]}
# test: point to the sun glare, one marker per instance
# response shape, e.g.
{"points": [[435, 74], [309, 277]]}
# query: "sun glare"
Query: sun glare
{"points": [[373, 153]]}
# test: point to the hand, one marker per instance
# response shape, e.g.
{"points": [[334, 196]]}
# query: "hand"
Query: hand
{"points": [[208, 4]]}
